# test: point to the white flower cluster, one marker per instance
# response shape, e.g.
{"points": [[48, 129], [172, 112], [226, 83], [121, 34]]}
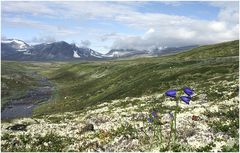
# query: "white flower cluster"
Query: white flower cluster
{"points": [[108, 118]]}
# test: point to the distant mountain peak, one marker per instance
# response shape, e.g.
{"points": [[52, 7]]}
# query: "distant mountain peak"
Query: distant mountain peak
{"points": [[15, 49], [59, 50], [17, 44]]}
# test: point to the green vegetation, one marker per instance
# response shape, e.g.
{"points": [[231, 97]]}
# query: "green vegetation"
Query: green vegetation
{"points": [[226, 49], [234, 148], [15, 80], [19, 77], [212, 71], [24, 143], [228, 123], [80, 85], [206, 148]]}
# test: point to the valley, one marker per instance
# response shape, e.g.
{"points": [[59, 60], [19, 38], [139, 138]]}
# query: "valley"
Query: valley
{"points": [[104, 105], [24, 105]]}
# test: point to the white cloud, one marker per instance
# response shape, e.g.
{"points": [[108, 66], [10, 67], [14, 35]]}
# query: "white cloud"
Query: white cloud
{"points": [[111, 36], [32, 8], [150, 31], [75, 9], [172, 30], [42, 39], [160, 29], [85, 43], [229, 11], [55, 30], [217, 26], [198, 33]]}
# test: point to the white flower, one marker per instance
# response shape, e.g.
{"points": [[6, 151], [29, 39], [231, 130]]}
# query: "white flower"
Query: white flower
{"points": [[213, 108]]}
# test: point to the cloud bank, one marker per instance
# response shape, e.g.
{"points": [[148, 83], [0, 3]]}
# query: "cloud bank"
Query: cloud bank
{"points": [[158, 29], [85, 43], [171, 30]]}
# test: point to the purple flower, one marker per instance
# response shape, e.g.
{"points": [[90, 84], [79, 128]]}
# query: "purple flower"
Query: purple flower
{"points": [[150, 119], [185, 99], [154, 114], [171, 93], [188, 91]]}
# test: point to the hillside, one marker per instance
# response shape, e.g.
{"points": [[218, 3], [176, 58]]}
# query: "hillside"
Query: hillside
{"points": [[105, 105], [213, 51], [16, 80], [89, 83]]}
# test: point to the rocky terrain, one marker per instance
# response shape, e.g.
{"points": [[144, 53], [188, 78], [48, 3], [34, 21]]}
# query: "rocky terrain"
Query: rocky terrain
{"points": [[121, 125]]}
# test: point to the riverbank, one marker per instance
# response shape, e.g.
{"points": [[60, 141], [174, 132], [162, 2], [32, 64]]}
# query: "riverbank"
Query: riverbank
{"points": [[23, 106]]}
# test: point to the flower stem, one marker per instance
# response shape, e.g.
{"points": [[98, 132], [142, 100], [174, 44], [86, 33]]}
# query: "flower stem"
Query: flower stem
{"points": [[160, 133], [175, 126], [175, 120], [160, 137], [160, 122], [170, 135]]}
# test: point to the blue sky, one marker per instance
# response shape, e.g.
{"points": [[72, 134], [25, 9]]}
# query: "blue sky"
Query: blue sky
{"points": [[198, 10], [108, 25]]}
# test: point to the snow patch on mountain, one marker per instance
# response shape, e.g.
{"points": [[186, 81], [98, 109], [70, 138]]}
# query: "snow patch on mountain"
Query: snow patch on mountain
{"points": [[96, 54], [117, 54], [75, 54], [27, 53], [20, 45]]}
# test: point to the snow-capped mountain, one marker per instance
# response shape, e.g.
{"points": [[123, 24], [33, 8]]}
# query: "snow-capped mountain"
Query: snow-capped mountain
{"points": [[86, 52], [16, 44], [13, 49]]}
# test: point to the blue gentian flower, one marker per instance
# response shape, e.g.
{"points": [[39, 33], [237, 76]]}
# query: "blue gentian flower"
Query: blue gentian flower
{"points": [[185, 99], [154, 114], [171, 93], [150, 119], [188, 91]]}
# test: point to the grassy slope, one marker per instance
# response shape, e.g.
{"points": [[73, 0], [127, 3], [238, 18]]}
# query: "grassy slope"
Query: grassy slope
{"points": [[16, 79], [90, 83], [213, 77]]}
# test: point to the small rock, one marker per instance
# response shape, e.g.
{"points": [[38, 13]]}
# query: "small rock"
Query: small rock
{"points": [[88, 127], [195, 118], [18, 127]]}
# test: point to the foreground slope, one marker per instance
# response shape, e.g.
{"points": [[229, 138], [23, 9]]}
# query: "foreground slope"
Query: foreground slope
{"points": [[103, 106]]}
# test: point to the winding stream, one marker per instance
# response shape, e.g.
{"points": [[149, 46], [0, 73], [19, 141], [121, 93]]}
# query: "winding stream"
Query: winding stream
{"points": [[23, 106]]}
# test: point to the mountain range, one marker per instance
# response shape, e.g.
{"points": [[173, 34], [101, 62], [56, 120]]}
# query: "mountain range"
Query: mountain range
{"points": [[15, 49]]}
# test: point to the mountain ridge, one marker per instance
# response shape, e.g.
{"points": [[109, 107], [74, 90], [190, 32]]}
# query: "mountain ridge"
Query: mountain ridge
{"points": [[60, 50], [16, 49]]}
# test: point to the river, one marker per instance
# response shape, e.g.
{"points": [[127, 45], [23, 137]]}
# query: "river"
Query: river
{"points": [[23, 106]]}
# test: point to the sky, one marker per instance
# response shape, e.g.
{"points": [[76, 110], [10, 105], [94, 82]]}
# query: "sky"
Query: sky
{"points": [[103, 26]]}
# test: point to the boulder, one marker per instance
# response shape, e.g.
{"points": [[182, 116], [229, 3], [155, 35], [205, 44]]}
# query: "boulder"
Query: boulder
{"points": [[18, 127]]}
